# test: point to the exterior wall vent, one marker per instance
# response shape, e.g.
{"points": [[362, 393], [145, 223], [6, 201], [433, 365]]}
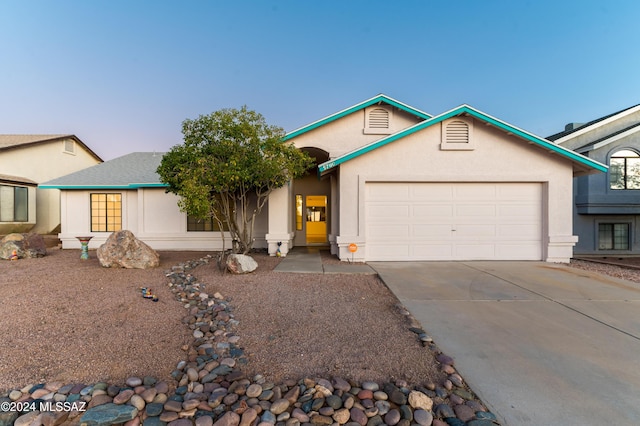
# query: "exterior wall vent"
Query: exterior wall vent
{"points": [[378, 120], [457, 134], [69, 146]]}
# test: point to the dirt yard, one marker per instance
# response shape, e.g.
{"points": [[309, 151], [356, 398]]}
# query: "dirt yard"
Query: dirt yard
{"points": [[68, 320]]}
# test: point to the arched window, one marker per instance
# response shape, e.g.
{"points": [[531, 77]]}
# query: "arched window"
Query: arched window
{"points": [[624, 170]]}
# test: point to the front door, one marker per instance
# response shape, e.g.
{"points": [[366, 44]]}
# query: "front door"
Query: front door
{"points": [[316, 219]]}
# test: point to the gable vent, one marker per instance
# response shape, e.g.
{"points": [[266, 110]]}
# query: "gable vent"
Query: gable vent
{"points": [[457, 132], [379, 119], [69, 146]]}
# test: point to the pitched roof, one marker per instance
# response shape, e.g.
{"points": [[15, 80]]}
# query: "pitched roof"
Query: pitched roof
{"points": [[17, 180], [381, 98], [561, 136], [135, 170], [609, 138], [467, 110], [17, 141]]}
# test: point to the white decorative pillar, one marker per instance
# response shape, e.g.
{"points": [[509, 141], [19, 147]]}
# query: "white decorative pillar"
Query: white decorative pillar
{"points": [[280, 223]]}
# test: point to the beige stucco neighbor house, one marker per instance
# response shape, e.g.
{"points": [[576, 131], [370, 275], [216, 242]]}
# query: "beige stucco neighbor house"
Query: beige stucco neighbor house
{"points": [[25, 161], [391, 183]]}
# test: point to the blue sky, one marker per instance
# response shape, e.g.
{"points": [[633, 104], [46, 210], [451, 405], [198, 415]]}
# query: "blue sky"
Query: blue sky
{"points": [[123, 75]]}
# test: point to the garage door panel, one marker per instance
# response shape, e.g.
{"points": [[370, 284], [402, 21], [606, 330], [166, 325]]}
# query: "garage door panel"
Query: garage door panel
{"points": [[432, 251], [387, 211], [431, 193], [522, 251], [389, 232], [475, 251], [472, 210], [389, 252], [474, 192], [388, 193], [454, 221], [433, 210], [432, 231], [516, 191], [519, 210], [519, 231], [464, 232]]}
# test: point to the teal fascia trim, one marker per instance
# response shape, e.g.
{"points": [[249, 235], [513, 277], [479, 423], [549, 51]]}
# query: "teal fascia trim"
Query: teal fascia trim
{"points": [[380, 98], [328, 165], [129, 186]]}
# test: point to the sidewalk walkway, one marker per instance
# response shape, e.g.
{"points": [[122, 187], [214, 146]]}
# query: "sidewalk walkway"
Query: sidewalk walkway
{"points": [[307, 260]]}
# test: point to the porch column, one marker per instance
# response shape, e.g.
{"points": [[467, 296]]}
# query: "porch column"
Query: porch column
{"points": [[280, 221]]}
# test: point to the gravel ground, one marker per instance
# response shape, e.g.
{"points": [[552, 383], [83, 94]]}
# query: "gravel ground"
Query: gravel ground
{"points": [[72, 321], [617, 270], [68, 320]]}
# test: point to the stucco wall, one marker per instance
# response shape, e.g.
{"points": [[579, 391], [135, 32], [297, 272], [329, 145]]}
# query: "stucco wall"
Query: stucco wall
{"points": [[497, 157], [10, 227], [40, 163], [347, 133], [151, 214]]}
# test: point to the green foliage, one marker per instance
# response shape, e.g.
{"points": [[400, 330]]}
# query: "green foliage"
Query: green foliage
{"points": [[229, 163]]}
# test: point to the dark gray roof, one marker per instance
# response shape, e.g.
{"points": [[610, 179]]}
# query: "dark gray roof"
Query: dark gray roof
{"points": [[607, 137], [591, 123], [135, 170]]}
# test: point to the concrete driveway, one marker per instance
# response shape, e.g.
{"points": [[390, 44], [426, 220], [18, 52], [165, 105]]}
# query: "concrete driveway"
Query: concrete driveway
{"points": [[541, 344]]}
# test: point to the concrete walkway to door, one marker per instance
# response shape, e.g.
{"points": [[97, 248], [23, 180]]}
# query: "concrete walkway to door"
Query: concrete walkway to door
{"points": [[541, 344], [307, 260]]}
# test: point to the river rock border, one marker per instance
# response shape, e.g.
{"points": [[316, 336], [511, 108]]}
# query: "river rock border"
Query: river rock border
{"points": [[211, 389]]}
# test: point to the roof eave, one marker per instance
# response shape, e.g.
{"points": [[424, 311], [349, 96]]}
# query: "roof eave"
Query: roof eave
{"points": [[354, 108], [55, 139], [104, 187], [463, 110], [584, 129]]}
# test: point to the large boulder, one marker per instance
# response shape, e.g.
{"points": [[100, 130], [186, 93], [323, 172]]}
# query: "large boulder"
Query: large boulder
{"points": [[123, 250], [25, 245], [241, 264]]}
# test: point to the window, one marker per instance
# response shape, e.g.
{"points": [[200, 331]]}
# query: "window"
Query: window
{"points": [[106, 212], [14, 203], [203, 225], [613, 236], [298, 212], [624, 170]]}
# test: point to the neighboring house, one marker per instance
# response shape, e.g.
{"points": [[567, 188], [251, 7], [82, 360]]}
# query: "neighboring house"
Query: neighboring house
{"points": [[607, 206], [25, 161], [392, 182]]}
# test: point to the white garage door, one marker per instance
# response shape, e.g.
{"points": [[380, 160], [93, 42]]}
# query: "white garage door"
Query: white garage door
{"points": [[454, 221]]}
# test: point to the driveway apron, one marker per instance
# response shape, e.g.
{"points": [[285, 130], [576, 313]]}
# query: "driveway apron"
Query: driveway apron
{"points": [[539, 343]]}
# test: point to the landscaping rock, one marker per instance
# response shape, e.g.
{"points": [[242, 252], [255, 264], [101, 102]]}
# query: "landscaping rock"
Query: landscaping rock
{"points": [[123, 250], [209, 385], [29, 245], [108, 414], [241, 264]]}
